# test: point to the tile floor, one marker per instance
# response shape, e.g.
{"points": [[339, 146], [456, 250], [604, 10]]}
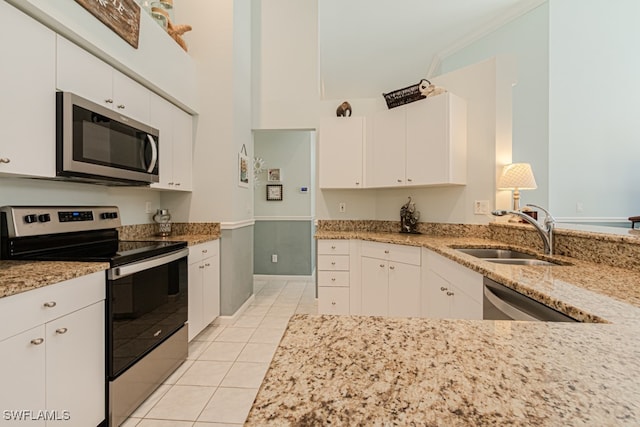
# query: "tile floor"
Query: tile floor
{"points": [[216, 386]]}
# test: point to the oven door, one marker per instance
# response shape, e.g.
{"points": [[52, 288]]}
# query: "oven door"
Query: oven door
{"points": [[94, 142], [146, 303]]}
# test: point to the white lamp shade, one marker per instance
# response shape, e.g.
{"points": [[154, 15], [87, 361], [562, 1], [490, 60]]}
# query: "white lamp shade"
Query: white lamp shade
{"points": [[517, 176]]}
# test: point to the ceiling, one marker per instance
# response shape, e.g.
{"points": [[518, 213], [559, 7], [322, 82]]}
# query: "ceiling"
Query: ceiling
{"points": [[368, 47]]}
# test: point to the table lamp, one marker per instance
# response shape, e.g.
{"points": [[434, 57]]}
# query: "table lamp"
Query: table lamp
{"points": [[516, 177]]}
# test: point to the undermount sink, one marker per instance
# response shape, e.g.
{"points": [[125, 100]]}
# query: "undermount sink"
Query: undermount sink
{"points": [[505, 256]]}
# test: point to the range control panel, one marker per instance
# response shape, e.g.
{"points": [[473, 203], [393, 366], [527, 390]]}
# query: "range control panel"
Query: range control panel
{"points": [[39, 220]]}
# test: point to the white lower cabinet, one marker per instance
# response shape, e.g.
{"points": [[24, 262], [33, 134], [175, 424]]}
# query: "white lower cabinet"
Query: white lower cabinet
{"points": [[450, 290], [390, 287], [333, 300], [53, 354], [204, 286]]}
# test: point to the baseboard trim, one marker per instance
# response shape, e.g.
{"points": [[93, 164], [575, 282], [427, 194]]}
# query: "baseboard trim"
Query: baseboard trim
{"points": [[283, 277], [230, 320]]}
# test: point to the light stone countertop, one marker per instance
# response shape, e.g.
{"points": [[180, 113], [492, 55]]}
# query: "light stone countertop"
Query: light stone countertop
{"points": [[22, 276], [359, 370]]}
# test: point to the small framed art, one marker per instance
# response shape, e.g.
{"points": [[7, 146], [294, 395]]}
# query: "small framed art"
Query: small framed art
{"points": [[274, 192], [274, 175]]}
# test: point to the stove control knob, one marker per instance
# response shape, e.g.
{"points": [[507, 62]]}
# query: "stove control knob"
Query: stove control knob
{"points": [[29, 219], [109, 215], [44, 217]]}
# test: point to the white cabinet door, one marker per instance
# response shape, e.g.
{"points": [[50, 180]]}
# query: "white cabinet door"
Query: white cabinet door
{"points": [[340, 152], [435, 302], [386, 165], [375, 287], [23, 374], [176, 144], [195, 307], [462, 306], [75, 348], [210, 289], [182, 150], [436, 141], [27, 110], [404, 290], [81, 73], [130, 98]]}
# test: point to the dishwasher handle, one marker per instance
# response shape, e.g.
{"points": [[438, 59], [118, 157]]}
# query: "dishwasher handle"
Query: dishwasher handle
{"points": [[504, 307]]}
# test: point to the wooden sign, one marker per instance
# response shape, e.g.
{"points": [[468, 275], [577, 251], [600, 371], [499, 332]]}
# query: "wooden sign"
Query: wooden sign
{"points": [[121, 16]]}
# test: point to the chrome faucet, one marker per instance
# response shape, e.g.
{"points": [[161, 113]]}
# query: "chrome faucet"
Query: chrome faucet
{"points": [[545, 231]]}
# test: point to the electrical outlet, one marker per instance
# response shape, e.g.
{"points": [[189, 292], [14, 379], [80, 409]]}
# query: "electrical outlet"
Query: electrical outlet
{"points": [[342, 207], [147, 207], [481, 207], [274, 258]]}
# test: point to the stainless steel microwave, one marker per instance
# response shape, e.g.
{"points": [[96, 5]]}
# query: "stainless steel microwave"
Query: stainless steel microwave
{"points": [[98, 145]]}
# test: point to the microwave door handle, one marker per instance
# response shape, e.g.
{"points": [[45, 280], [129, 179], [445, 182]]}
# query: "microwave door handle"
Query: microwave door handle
{"points": [[154, 153]]}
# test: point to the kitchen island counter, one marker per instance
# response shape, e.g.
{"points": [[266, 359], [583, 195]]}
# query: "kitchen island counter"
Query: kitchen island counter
{"points": [[358, 370]]}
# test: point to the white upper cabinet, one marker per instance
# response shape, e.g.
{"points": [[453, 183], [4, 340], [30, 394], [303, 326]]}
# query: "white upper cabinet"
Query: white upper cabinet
{"points": [[176, 144], [437, 141], [340, 152], [419, 144], [81, 73], [27, 110]]}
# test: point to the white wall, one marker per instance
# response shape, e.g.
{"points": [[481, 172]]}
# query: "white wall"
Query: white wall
{"points": [[594, 137], [527, 39], [286, 92], [221, 47], [290, 151]]}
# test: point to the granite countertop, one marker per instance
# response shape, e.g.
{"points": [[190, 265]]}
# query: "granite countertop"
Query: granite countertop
{"points": [[22, 276], [360, 370], [357, 370], [191, 239]]}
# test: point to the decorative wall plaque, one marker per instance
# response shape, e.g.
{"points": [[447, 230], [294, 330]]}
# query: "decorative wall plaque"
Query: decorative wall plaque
{"points": [[121, 16]]}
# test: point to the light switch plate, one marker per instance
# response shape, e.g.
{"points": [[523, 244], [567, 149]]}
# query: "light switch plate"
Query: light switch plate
{"points": [[481, 207]]}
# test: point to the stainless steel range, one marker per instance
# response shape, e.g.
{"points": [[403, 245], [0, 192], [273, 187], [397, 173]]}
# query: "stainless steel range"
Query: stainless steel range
{"points": [[146, 305]]}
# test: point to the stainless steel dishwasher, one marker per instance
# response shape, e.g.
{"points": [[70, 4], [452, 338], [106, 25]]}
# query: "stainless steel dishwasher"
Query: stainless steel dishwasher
{"points": [[503, 303]]}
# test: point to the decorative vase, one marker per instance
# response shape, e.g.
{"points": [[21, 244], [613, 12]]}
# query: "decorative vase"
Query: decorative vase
{"points": [[163, 219]]}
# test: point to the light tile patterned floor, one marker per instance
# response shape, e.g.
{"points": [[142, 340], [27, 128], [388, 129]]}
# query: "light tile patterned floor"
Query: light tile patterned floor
{"points": [[216, 386]]}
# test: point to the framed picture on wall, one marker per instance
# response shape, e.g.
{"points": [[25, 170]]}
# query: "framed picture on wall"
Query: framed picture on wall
{"points": [[243, 171], [274, 192], [274, 175]]}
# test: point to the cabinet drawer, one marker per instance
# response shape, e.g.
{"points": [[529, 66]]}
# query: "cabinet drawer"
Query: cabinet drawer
{"points": [[333, 278], [333, 262], [26, 310], [203, 250], [333, 300], [387, 251], [333, 247]]}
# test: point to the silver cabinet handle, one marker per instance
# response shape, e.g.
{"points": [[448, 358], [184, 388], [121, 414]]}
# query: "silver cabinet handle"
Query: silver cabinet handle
{"points": [[382, 265], [409, 179], [61, 331], [169, 183], [50, 304], [442, 288], [333, 279], [204, 251], [333, 263], [177, 184], [399, 180], [121, 106], [449, 293], [391, 267], [386, 251], [357, 182], [37, 341], [202, 266], [5, 160], [333, 247], [333, 303], [207, 265], [108, 101], [157, 333]]}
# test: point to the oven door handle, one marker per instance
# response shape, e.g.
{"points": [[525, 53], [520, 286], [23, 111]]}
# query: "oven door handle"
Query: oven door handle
{"points": [[129, 269]]}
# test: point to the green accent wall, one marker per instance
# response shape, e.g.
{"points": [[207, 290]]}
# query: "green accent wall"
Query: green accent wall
{"points": [[292, 241]]}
